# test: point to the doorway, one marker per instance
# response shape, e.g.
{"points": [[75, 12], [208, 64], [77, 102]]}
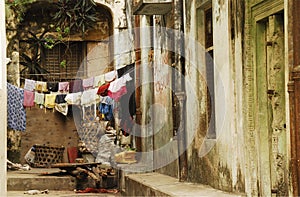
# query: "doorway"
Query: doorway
{"points": [[271, 116]]}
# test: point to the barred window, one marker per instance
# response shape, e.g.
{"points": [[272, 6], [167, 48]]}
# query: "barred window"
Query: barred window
{"points": [[64, 62]]}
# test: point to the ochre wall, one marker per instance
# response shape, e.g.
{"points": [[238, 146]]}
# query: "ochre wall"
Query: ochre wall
{"points": [[50, 128]]}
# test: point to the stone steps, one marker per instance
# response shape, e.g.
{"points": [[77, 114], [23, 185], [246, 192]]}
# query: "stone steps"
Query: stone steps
{"points": [[39, 179]]}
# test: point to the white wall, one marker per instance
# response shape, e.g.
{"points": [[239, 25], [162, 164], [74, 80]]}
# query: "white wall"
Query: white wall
{"points": [[3, 101]]}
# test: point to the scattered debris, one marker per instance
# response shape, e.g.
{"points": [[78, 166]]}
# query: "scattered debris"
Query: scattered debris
{"points": [[17, 166], [94, 190], [34, 192], [126, 157]]}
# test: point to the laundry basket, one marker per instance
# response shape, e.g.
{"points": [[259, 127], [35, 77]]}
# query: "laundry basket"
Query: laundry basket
{"points": [[47, 155]]}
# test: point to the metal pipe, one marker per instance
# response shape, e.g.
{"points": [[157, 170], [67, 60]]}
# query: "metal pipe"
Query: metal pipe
{"points": [[179, 87]]}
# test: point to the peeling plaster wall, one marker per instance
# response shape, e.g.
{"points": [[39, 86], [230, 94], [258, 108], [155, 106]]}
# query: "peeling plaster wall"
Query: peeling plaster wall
{"points": [[219, 163], [163, 119]]}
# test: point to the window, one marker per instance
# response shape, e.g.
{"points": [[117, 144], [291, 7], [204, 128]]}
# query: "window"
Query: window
{"points": [[64, 62], [208, 22]]}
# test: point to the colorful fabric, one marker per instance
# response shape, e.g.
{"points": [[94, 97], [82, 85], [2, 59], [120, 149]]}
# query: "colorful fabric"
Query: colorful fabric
{"points": [[28, 98], [41, 86], [88, 83], [50, 100], [116, 85], [106, 111], [75, 86], [117, 95], [16, 114], [29, 85], [102, 90], [99, 80], [39, 98], [106, 100], [63, 86]]}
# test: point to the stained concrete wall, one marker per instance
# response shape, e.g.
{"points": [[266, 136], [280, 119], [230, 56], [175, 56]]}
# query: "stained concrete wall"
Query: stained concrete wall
{"points": [[50, 128], [217, 162]]}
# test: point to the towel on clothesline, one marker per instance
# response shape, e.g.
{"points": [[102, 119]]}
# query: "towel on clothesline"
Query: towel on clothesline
{"points": [[88, 83], [50, 100], [110, 76], [75, 86], [39, 98], [41, 86], [99, 80], [63, 86], [29, 85], [28, 98], [73, 98]]}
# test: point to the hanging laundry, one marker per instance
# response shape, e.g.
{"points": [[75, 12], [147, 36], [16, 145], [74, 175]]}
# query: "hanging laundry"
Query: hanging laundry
{"points": [[106, 111], [99, 80], [75, 86], [62, 108], [29, 85], [103, 89], [63, 86], [28, 98], [60, 98], [52, 86], [16, 114], [88, 83], [116, 85], [41, 86], [106, 100], [89, 97], [117, 95], [73, 98], [110, 76], [50, 100], [39, 98]]}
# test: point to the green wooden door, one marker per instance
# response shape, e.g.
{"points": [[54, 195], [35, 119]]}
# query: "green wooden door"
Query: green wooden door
{"points": [[271, 92]]}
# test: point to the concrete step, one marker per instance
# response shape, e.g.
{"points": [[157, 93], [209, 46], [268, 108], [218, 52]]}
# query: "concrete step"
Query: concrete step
{"points": [[155, 184], [40, 179]]}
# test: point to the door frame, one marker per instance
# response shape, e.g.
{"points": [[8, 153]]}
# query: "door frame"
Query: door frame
{"points": [[256, 184]]}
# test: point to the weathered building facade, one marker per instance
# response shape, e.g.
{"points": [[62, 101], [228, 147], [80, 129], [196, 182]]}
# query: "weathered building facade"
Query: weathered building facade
{"points": [[235, 63], [212, 102]]}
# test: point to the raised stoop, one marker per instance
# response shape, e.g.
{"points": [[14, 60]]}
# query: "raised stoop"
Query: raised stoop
{"points": [[155, 184], [37, 179]]}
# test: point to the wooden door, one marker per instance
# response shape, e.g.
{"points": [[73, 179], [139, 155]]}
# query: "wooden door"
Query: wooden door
{"points": [[271, 89]]}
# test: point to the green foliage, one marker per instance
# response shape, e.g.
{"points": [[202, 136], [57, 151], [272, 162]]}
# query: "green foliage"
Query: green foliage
{"points": [[18, 6], [63, 63], [32, 66], [32, 62], [76, 15]]}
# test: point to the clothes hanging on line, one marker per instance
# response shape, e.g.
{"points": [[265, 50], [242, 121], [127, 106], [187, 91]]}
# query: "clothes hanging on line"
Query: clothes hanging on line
{"points": [[16, 114], [29, 85], [63, 86], [52, 86], [75, 86], [28, 98], [88, 83], [39, 98]]}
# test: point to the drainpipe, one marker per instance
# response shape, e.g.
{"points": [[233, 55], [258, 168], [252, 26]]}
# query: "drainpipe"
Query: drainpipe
{"points": [[137, 81], [294, 95], [179, 86]]}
